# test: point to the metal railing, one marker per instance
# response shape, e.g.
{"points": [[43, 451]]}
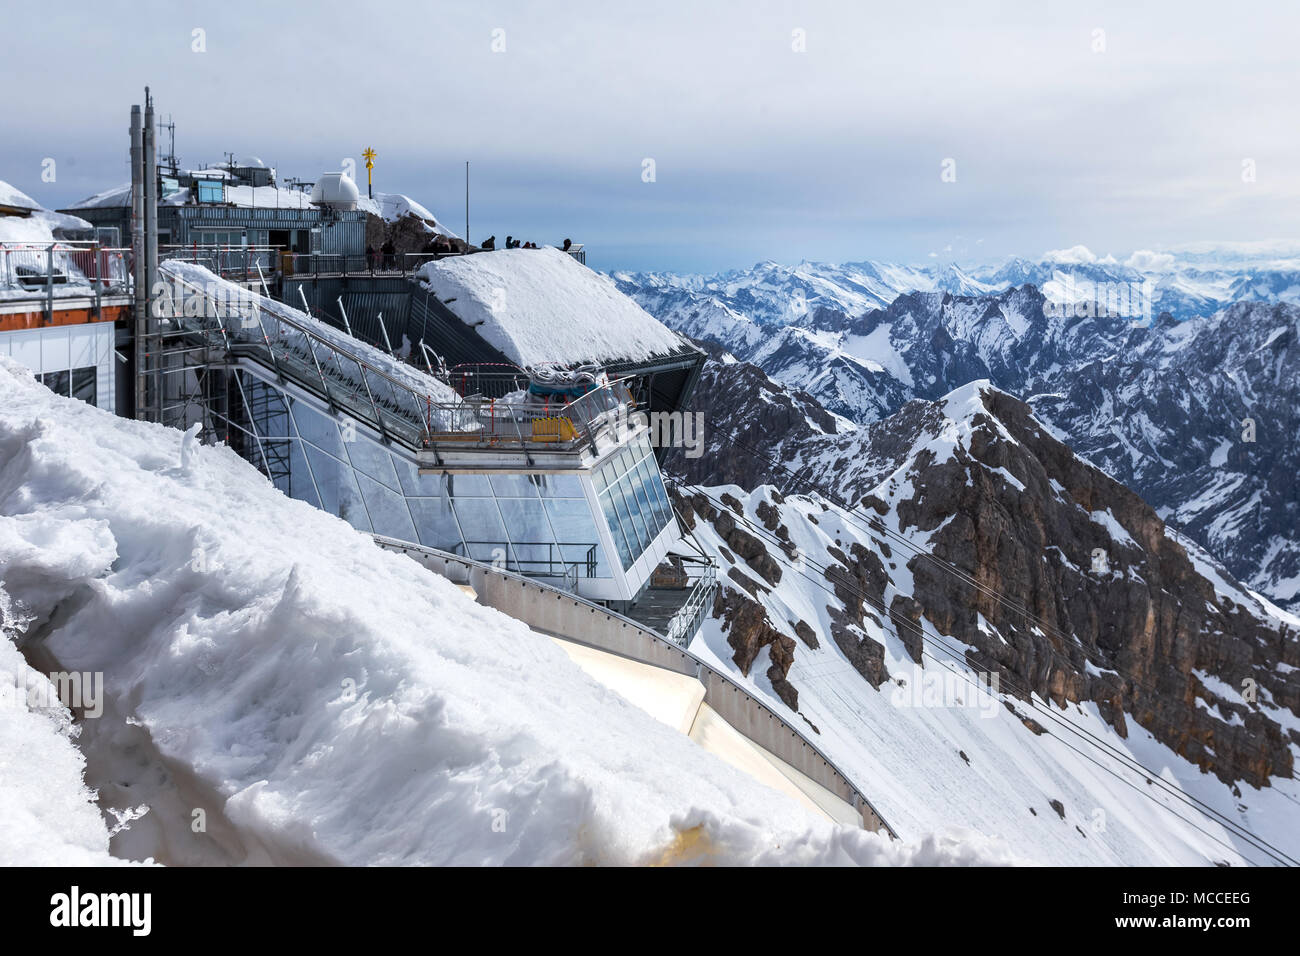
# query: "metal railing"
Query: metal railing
{"points": [[690, 616], [228, 261], [404, 264], [554, 565], [393, 401], [76, 267], [490, 380]]}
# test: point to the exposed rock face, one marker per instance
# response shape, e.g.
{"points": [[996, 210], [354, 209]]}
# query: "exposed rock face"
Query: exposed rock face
{"points": [[1149, 617], [759, 413], [749, 631], [1066, 584], [745, 621]]}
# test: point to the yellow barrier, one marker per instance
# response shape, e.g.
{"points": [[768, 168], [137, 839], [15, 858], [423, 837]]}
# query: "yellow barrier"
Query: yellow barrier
{"points": [[553, 429]]}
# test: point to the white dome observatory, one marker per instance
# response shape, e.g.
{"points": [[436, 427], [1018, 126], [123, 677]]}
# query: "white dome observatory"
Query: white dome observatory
{"points": [[335, 191]]}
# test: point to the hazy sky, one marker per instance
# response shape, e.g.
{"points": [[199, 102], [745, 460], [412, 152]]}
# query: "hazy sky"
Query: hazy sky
{"points": [[760, 151]]}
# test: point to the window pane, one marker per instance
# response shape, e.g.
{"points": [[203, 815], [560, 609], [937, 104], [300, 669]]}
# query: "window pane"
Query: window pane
{"points": [[316, 428], [388, 513], [57, 382], [513, 486], [616, 530], [435, 524], [469, 486], [480, 522], [83, 384], [575, 528], [373, 460], [653, 482], [338, 488], [560, 486], [633, 530], [634, 510], [530, 533], [643, 495], [300, 484], [414, 483]]}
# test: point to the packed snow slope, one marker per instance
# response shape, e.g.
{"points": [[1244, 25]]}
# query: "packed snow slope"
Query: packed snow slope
{"points": [[1135, 675], [541, 305], [338, 703]]}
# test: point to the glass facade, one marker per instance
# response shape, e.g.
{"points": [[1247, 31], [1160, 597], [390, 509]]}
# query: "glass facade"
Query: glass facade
{"points": [[530, 523], [632, 495]]}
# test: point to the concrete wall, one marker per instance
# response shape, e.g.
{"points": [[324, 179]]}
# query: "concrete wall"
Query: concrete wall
{"points": [[564, 615]]}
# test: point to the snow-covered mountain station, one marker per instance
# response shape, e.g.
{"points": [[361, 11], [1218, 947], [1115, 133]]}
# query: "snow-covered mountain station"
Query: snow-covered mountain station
{"points": [[366, 544], [485, 415]]}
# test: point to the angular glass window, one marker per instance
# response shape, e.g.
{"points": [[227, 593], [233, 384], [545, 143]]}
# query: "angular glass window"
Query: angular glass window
{"points": [[373, 460], [561, 486], [625, 487], [301, 485], [436, 524], [530, 532], [637, 484], [389, 515], [632, 530], [480, 523], [615, 522], [575, 529], [320, 430], [337, 485], [469, 486], [514, 486], [653, 483], [414, 483], [58, 382]]}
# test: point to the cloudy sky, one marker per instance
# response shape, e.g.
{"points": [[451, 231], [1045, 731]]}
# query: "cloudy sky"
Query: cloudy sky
{"points": [[781, 131]]}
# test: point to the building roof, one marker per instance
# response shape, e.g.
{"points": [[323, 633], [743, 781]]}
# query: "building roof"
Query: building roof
{"points": [[12, 197], [540, 306]]}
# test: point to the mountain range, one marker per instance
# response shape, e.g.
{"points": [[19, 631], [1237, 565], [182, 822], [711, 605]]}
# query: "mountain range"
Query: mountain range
{"points": [[1194, 406]]}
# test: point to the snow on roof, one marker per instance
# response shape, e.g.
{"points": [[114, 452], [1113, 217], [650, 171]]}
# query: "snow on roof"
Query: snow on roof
{"points": [[39, 226], [13, 196], [260, 197], [539, 305], [25, 229], [270, 606], [393, 206], [115, 196]]}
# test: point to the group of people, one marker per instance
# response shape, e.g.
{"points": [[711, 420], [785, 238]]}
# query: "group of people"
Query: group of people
{"points": [[436, 245], [386, 258], [490, 243], [439, 245]]}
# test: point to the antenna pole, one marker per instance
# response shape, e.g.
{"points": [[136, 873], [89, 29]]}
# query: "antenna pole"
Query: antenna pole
{"points": [[467, 202]]}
